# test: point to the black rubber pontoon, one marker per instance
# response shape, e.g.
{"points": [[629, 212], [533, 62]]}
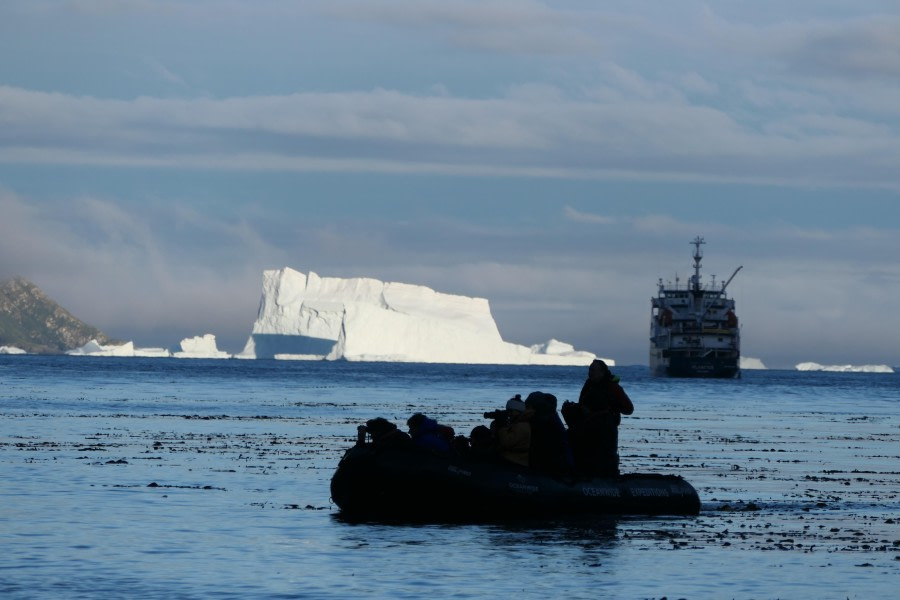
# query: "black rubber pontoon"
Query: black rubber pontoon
{"points": [[399, 483]]}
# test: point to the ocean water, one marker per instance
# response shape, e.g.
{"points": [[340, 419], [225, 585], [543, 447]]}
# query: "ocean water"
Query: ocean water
{"points": [[166, 478]]}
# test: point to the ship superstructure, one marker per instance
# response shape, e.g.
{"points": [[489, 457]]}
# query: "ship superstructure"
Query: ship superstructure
{"points": [[694, 330]]}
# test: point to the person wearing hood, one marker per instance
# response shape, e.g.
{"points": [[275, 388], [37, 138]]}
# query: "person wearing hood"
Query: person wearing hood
{"points": [[427, 434], [594, 421], [550, 449]]}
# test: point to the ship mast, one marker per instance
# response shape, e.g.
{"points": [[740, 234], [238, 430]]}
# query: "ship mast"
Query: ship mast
{"points": [[698, 254]]}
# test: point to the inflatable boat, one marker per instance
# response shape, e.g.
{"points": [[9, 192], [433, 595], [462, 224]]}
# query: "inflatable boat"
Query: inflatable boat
{"points": [[390, 483]]}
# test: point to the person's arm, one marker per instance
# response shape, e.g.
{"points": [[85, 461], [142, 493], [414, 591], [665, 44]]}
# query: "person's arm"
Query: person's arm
{"points": [[624, 402]]}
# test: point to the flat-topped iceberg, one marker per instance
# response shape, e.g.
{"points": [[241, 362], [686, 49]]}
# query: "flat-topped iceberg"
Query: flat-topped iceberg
{"points": [[201, 346], [310, 317], [812, 366]]}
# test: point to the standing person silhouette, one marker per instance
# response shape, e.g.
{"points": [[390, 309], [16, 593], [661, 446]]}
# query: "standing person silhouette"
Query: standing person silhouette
{"points": [[594, 421]]}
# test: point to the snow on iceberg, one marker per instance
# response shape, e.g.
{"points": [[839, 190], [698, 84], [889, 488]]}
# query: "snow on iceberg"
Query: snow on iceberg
{"points": [[11, 350], [200, 347], [752, 363], [812, 366], [361, 319]]}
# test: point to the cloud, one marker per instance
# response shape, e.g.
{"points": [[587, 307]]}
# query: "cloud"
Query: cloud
{"points": [[162, 71], [674, 94], [862, 48], [584, 217], [813, 44], [150, 273], [693, 82], [502, 26], [647, 134]]}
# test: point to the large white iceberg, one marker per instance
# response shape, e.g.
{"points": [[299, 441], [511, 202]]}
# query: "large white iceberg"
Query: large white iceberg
{"points": [[11, 350], [361, 319]]}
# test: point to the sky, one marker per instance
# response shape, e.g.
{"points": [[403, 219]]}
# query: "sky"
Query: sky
{"points": [[555, 158]]}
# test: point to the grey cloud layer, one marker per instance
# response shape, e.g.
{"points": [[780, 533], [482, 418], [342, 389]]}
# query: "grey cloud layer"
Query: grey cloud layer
{"points": [[632, 91], [659, 135]]}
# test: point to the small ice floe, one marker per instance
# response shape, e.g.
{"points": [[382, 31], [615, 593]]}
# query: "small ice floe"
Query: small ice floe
{"points": [[812, 366], [752, 363]]}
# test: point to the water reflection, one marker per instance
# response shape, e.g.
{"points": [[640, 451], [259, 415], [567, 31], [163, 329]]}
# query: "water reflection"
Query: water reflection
{"points": [[578, 531], [587, 532]]}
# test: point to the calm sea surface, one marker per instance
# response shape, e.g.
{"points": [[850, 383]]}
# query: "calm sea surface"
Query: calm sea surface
{"points": [[167, 478]]}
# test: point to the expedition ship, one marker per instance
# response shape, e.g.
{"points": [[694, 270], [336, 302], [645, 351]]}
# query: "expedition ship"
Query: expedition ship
{"points": [[693, 329]]}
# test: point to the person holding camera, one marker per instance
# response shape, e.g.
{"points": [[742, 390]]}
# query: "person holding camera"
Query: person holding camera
{"points": [[512, 431], [594, 421], [384, 434]]}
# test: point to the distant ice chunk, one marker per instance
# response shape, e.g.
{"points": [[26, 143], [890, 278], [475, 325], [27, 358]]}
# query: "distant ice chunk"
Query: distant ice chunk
{"points": [[308, 317], [556, 348], [93, 348], [752, 363], [812, 366], [200, 347], [152, 352], [11, 350]]}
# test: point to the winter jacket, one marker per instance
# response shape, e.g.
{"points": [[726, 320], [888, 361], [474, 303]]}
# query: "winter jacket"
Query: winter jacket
{"points": [[514, 440]]}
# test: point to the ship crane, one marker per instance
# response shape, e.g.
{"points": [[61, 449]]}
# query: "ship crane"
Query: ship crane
{"points": [[721, 292], [730, 278]]}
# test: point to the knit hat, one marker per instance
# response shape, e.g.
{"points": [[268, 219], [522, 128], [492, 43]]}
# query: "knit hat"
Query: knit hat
{"points": [[515, 405]]}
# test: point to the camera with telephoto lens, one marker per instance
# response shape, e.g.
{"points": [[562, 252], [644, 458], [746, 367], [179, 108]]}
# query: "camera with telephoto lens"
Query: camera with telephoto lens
{"points": [[501, 414]]}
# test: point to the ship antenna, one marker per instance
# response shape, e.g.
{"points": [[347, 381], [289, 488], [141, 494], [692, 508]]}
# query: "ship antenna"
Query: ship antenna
{"points": [[698, 254]]}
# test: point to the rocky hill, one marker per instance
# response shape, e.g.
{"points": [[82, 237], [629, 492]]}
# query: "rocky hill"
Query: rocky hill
{"points": [[32, 321]]}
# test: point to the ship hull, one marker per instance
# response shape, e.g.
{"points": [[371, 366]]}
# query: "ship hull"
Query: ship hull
{"points": [[696, 367]]}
